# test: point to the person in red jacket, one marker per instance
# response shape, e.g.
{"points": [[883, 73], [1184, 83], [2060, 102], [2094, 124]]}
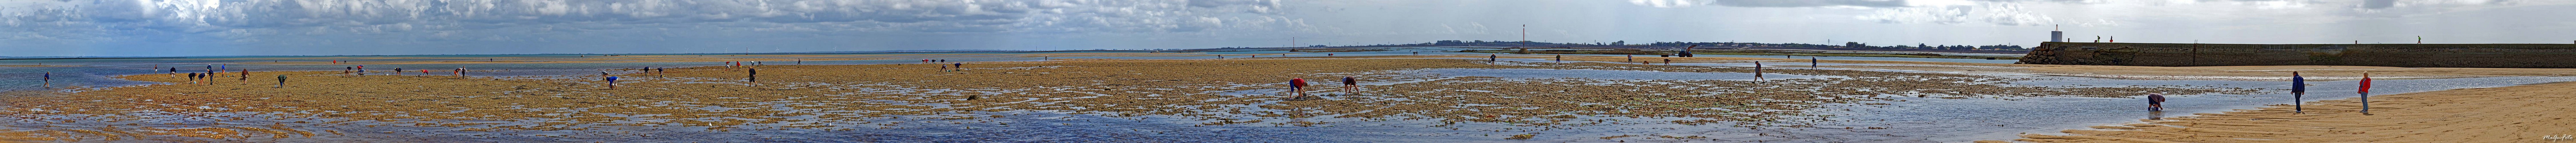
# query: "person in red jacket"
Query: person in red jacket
{"points": [[1298, 85]]}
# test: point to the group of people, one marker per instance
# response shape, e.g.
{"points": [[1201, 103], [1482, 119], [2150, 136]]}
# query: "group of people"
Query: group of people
{"points": [[1298, 85], [207, 77], [741, 64], [2298, 88], [952, 67]]}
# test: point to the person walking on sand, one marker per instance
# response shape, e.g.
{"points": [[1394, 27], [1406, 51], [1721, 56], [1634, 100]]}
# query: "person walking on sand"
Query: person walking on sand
{"points": [[2155, 102], [753, 77], [1298, 85]]}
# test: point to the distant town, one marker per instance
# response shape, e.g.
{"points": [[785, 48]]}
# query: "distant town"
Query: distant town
{"points": [[1856, 45]]}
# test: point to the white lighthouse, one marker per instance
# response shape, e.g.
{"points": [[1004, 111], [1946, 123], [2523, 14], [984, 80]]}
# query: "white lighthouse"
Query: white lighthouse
{"points": [[2054, 35]]}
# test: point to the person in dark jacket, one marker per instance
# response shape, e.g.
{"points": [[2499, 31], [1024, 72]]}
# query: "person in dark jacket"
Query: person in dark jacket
{"points": [[2155, 102]]}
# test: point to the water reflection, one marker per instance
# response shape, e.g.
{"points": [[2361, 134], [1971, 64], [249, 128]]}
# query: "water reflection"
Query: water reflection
{"points": [[2155, 115]]}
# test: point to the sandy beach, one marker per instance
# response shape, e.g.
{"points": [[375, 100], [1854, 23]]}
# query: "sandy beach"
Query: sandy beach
{"points": [[2527, 113], [1226, 92]]}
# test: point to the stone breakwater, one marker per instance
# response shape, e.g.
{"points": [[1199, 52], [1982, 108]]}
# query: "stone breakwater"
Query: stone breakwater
{"points": [[2387, 55]]}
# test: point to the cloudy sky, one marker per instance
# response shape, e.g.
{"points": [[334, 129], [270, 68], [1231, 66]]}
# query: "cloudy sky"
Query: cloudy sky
{"points": [[405, 27]]}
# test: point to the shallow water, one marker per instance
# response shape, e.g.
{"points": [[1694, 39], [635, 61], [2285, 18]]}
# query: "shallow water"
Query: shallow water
{"points": [[1606, 74], [1963, 120]]}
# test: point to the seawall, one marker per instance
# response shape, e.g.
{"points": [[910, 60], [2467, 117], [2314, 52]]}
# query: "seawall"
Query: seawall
{"points": [[2388, 55]]}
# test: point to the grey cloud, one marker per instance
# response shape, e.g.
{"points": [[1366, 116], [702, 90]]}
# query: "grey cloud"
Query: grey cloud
{"points": [[339, 16], [2377, 4], [1771, 3], [2005, 14], [1809, 3]]}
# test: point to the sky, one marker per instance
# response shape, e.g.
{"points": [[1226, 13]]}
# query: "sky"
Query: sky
{"points": [[416, 27]]}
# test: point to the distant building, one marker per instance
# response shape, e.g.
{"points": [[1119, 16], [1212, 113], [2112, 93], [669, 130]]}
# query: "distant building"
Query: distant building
{"points": [[2056, 34]]}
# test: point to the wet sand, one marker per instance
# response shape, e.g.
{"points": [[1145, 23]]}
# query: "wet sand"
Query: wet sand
{"points": [[1226, 92], [2526, 113], [532, 60], [2240, 73]]}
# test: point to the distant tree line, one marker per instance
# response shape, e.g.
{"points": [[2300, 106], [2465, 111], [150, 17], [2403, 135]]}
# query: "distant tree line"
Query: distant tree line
{"points": [[1938, 47]]}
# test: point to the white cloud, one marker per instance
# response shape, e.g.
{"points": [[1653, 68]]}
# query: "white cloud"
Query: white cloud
{"points": [[368, 22], [335, 16]]}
